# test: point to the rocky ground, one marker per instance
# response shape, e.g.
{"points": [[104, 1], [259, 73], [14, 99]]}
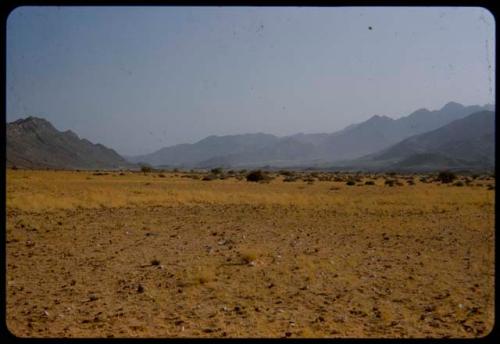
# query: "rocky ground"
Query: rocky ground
{"points": [[407, 261]]}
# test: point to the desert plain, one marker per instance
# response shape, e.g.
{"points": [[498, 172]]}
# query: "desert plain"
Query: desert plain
{"points": [[131, 254]]}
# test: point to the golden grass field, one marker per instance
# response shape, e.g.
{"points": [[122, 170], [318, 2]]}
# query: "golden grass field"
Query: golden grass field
{"points": [[139, 255]]}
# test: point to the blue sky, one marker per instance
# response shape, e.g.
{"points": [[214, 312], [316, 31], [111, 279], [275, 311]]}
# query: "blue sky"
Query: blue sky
{"points": [[140, 78]]}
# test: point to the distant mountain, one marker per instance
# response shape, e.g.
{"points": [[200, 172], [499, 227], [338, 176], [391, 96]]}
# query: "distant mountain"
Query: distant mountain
{"points": [[191, 155], [281, 152], [467, 143], [34, 143], [380, 132], [354, 141]]}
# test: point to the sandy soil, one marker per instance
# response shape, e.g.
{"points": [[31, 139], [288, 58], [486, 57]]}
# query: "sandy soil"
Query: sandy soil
{"points": [[101, 256]]}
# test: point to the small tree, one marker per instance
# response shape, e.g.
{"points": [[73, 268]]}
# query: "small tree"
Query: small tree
{"points": [[255, 176], [146, 169], [446, 177], [217, 170]]}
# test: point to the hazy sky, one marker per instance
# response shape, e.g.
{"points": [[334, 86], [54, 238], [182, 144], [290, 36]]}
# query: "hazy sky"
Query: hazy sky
{"points": [[140, 78]]}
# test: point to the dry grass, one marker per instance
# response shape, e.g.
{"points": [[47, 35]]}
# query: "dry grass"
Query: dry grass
{"points": [[137, 255], [71, 190]]}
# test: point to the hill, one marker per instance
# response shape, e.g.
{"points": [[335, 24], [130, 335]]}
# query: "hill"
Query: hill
{"points": [[35, 143]]}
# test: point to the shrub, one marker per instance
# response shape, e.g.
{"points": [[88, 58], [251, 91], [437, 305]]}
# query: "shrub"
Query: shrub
{"points": [[255, 176], [146, 169], [217, 170], [203, 276], [248, 256], [350, 182], [209, 177], [446, 177], [389, 182], [369, 182], [459, 183], [161, 175]]}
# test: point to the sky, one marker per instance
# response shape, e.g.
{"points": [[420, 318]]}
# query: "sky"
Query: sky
{"points": [[137, 79]]}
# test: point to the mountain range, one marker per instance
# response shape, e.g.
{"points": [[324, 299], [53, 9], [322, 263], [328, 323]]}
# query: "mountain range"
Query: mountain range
{"points": [[454, 136], [355, 141], [466, 143]]}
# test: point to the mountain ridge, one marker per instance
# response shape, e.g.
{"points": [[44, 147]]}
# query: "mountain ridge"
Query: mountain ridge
{"points": [[34, 142], [467, 143], [354, 141]]}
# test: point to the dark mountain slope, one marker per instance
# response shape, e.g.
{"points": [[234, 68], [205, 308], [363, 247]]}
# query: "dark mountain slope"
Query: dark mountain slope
{"points": [[464, 143], [34, 143]]}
